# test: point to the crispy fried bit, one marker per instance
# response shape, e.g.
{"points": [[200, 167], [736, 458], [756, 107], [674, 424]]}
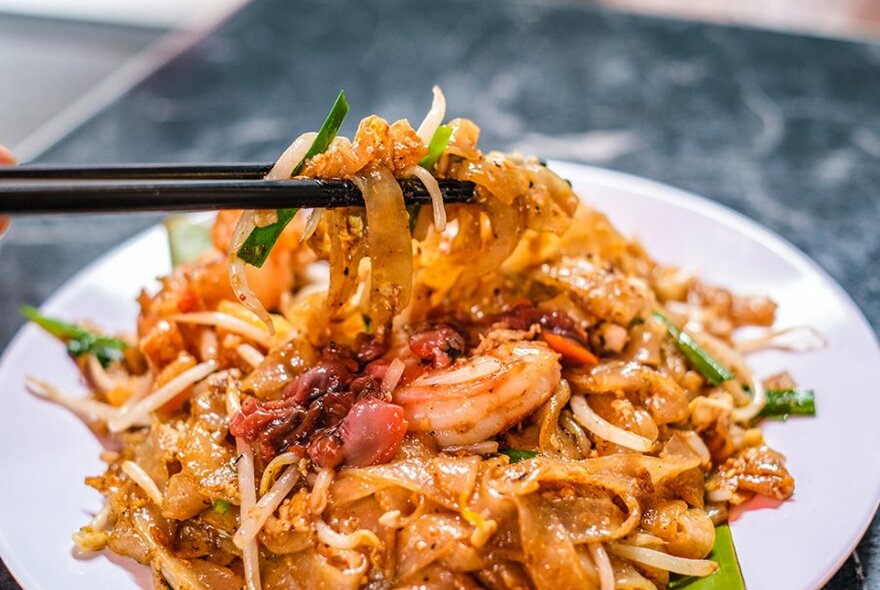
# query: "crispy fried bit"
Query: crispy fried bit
{"points": [[754, 470]]}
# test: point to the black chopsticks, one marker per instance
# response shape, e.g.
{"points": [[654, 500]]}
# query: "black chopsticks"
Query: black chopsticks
{"points": [[188, 187], [226, 171]]}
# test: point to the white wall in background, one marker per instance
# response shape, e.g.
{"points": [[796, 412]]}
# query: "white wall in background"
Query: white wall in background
{"points": [[153, 13]]}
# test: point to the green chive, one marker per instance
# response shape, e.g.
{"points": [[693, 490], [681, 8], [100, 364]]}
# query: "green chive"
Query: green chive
{"points": [[517, 455], [413, 212], [702, 361], [220, 506], [782, 403], [436, 147], [186, 240], [729, 574], [368, 323], [327, 131], [259, 244], [79, 341]]}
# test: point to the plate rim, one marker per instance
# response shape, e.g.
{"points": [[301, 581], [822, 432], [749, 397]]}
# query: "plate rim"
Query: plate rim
{"points": [[653, 189]]}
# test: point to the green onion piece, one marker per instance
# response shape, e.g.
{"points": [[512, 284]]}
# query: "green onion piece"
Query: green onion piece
{"points": [[728, 576], [517, 455], [220, 506], [413, 212], [368, 323], [259, 244], [186, 240], [327, 131], [436, 147], [79, 341], [782, 403], [702, 361]]}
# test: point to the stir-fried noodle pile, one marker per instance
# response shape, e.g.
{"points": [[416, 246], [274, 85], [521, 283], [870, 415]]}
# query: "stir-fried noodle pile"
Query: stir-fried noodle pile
{"points": [[506, 394]]}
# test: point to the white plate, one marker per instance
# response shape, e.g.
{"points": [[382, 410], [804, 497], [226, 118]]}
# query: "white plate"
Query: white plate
{"points": [[798, 544]]}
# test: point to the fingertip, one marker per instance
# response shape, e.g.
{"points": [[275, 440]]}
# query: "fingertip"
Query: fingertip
{"points": [[6, 156]]}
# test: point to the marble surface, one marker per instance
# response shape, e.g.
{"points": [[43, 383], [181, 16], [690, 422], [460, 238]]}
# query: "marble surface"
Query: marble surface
{"points": [[52, 63], [783, 128]]}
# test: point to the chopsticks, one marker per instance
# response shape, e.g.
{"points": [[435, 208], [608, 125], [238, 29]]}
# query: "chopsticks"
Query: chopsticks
{"points": [[226, 171], [188, 187]]}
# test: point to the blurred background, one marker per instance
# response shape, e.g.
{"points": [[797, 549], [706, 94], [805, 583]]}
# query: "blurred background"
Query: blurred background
{"points": [[54, 52]]}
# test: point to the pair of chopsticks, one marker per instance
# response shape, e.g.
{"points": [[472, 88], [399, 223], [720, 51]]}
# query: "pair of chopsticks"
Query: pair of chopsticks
{"points": [[39, 189]]}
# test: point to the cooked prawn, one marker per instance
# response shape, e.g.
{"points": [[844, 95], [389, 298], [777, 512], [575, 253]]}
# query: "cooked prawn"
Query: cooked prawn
{"points": [[477, 398]]}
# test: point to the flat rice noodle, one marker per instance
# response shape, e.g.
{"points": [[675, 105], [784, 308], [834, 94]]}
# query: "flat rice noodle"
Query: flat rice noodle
{"points": [[445, 256], [499, 175], [550, 203], [646, 343], [354, 483], [549, 555], [589, 235], [627, 577], [589, 515], [499, 240], [607, 294], [214, 576], [437, 577], [592, 233], [364, 514], [410, 474], [183, 498], [149, 456], [502, 574], [551, 438], [347, 229], [624, 477], [659, 393], [209, 462], [396, 498], [443, 479], [605, 504], [426, 540], [291, 531], [350, 485], [623, 414], [125, 540], [281, 366], [688, 485], [281, 537], [463, 557], [311, 570], [456, 475], [642, 472], [286, 542], [390, 245], [157, 535]]}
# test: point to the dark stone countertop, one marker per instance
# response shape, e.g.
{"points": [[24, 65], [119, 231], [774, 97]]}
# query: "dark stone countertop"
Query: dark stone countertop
{"points": [[783, 128]]}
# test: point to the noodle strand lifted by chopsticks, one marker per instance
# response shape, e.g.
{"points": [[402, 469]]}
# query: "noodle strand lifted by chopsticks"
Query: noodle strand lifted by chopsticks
{"points": [[282, 170], [436, 196]]}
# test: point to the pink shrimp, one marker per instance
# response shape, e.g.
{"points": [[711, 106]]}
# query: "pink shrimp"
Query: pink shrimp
{"points": [[481, 396]]}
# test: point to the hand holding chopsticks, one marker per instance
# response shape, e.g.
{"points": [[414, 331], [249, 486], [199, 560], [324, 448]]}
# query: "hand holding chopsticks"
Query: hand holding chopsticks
{"points": [[187, 187]]}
